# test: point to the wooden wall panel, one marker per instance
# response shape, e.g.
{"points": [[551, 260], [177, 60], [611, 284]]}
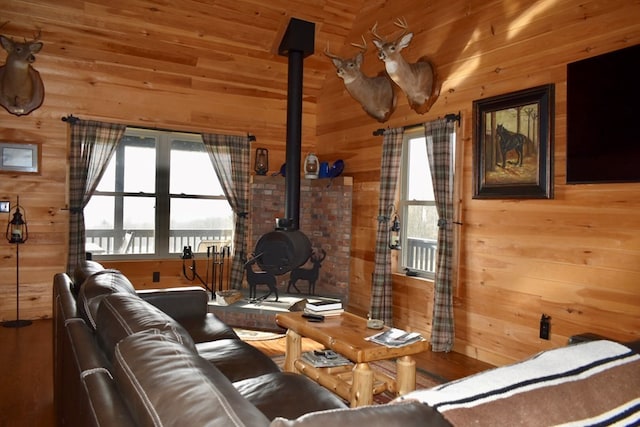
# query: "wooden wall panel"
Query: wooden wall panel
{"points": [[575, 257]]}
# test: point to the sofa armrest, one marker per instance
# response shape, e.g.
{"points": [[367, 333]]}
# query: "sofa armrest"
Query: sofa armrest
{"points": [[179, 303], [575, 384], [87, 394], [65, 306], [188, 306], [408, 414]]}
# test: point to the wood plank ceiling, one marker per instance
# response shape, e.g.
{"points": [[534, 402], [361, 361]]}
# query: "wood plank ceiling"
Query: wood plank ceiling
{"points": [[227, 46]]}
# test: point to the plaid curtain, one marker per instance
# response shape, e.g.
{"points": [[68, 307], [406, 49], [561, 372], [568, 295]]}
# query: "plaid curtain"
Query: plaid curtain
{"points": [[92, 145], [440, 139], [230, 156], [381, 289]]}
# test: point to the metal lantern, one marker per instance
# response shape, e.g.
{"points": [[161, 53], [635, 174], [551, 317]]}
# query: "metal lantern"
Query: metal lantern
{"points": [[395, 234], [262, 161], [17, 231], [394, 229], [311, 166]]}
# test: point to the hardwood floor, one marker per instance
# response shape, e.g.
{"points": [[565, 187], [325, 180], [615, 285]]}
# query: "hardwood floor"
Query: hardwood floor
{"points": [[26, 369]]}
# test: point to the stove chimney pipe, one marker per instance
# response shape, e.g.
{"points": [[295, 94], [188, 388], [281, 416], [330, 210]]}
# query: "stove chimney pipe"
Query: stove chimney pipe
{"points": [[297, 43]]}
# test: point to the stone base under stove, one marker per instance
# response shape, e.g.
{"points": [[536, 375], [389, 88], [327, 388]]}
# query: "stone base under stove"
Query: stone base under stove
{"points": [[259, 316]]}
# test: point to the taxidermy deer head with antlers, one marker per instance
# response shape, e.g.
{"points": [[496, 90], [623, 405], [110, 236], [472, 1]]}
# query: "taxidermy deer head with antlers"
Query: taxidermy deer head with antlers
{"points": [[375, 94], [21, 88], [417, 80]]}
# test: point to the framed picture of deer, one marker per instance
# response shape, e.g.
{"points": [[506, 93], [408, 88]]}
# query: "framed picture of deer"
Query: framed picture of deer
{"points": [[19, 157], [513, 145]]}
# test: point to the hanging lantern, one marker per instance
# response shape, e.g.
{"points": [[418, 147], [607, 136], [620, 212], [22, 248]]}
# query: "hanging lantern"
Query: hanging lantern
{"points": [[262, 161], [394, 241], [394, 228], [311, 166]]}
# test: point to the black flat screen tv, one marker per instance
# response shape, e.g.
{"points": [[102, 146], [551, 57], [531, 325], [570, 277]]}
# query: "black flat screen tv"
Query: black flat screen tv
{"points": [[603, 118]]}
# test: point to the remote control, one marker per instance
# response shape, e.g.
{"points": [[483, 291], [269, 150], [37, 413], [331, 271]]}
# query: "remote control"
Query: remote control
{"points": [[313, 317], [329, 354]]}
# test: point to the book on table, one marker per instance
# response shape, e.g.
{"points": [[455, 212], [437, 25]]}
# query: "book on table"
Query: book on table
{"points": [[395, 338], [336, 312], [323, 305], [325, 359]]}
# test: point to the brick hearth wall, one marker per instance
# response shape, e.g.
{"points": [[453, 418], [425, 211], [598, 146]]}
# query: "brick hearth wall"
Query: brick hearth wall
{"points": [[325, 217]]}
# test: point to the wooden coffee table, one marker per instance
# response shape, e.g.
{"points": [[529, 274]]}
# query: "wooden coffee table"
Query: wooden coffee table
{"points": [[345, 334]]}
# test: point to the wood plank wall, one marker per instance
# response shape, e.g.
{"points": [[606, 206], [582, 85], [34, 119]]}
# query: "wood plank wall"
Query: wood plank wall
{"points": [[184, 65], [175, 66], [575, 258]]}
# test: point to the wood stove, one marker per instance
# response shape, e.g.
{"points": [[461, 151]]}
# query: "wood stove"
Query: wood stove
{"points": [[280, 251]]}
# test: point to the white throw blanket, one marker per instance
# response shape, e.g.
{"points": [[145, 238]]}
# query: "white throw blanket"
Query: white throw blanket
{"points": [[591, 384]]}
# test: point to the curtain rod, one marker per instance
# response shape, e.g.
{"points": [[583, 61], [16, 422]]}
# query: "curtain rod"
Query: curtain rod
{"points": [[448, 117], [72, 119]]}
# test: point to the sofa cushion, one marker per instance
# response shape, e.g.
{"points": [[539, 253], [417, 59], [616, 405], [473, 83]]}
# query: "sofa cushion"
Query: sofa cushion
{"points": [[82, 271], [166, 384], [96, 287], [288, 395], [180, 303], [411, 414], [208, 328], [121, 315], [236, 359], [188, 305]]}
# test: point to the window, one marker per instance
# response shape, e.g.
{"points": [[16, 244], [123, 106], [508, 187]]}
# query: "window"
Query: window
{"points": [[158, 194], [417, 208]]}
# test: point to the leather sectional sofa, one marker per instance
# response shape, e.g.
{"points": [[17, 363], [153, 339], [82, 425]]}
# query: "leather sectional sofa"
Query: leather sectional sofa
{"points": [[157, 358]]}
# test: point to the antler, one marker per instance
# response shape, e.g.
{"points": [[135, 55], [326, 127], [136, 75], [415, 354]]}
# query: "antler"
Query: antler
{"points": [[402, 23], [36, 38], [399, 22], [329, 54], [374, 33], [363, 46], [318, 255]]}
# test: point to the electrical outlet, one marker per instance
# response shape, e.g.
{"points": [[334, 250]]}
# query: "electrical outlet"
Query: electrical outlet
{"points": [[156, 276], [545, 326]]}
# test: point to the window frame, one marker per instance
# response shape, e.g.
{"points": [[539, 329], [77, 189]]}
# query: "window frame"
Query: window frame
{"points": [[404, 204], [162, 195]]}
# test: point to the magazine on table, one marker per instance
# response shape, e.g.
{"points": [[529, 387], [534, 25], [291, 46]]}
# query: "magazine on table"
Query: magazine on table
{"points": [[336, 312], [325, 359], [395, 338]]}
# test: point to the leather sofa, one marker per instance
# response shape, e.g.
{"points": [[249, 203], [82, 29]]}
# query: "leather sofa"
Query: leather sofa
{"points": [[156, 357]]}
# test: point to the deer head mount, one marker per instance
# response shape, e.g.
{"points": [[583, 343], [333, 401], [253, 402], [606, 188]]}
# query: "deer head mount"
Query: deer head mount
{"points": [[21, 88], [375, 94], [417, 80]]}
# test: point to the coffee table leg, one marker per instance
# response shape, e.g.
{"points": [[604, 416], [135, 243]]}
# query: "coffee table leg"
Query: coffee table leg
{"points": [[362, 387], [293, 350], [406, 367]]}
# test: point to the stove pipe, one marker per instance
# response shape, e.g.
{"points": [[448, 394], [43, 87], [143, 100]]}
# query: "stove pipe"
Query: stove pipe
{"points": [[286, 248]]}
